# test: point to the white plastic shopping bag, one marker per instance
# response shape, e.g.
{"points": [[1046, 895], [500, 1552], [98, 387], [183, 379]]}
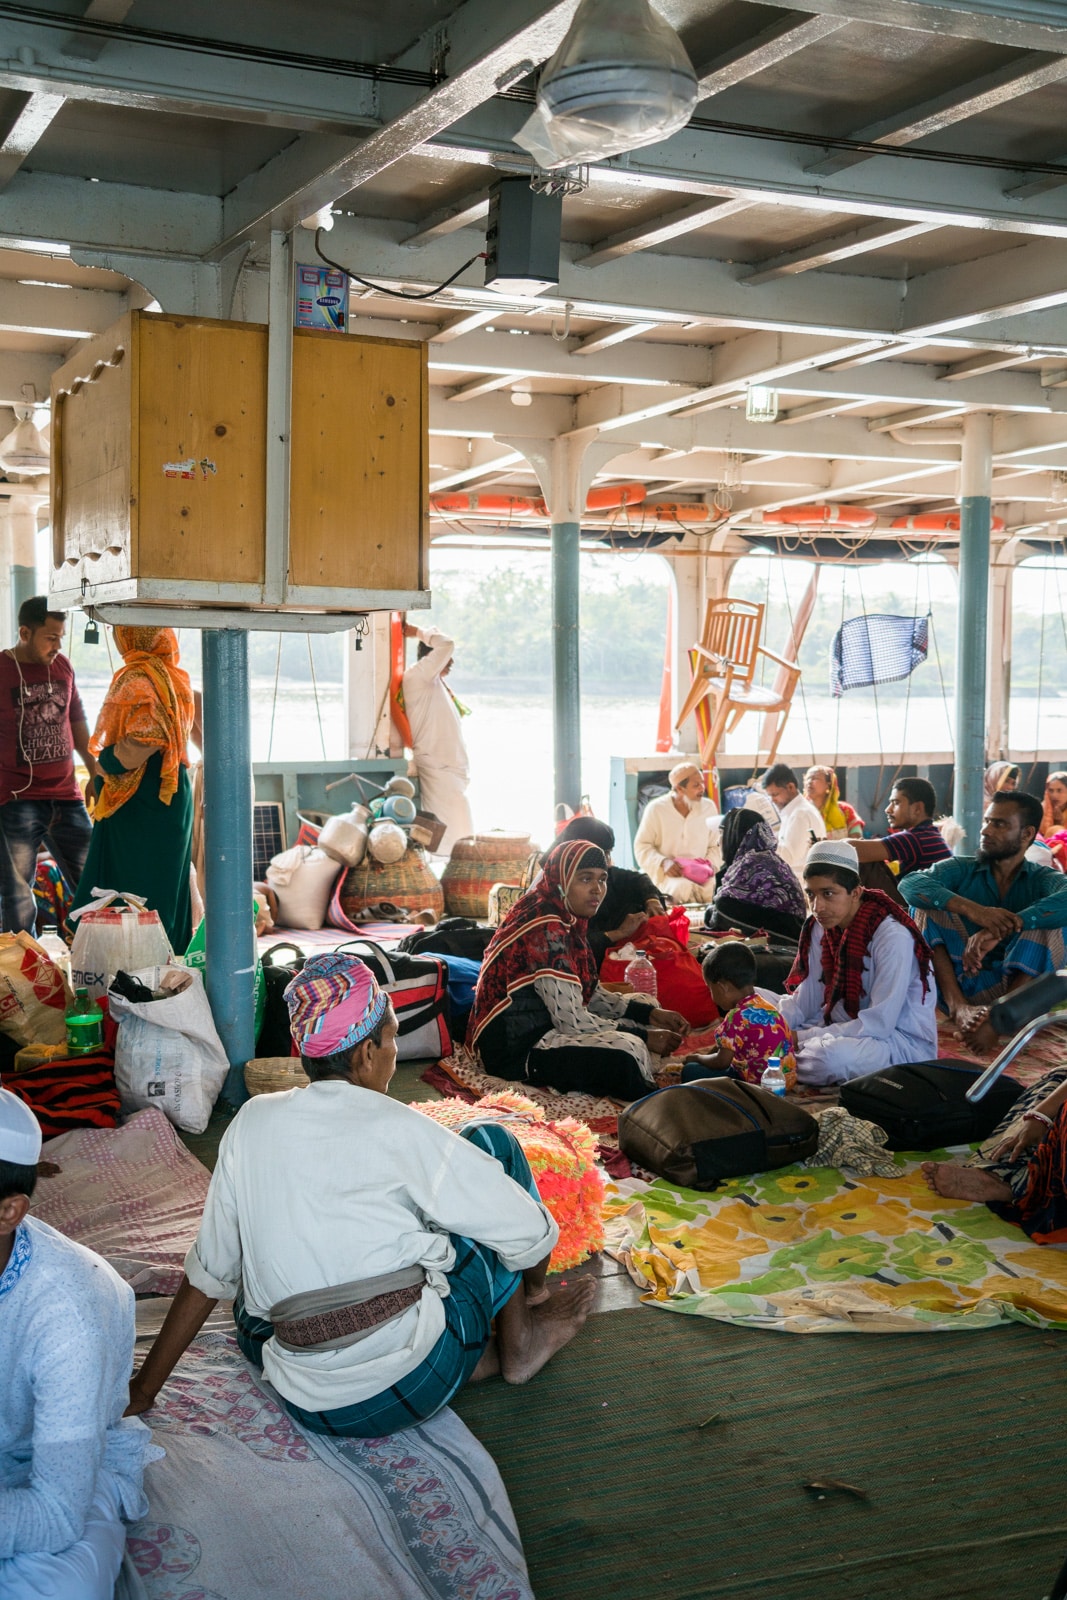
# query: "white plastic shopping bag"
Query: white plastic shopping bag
{"points": [[114, 938], [168, 1053]]}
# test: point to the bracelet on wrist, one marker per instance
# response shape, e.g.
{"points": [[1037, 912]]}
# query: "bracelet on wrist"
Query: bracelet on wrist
{"points": [[1038, 1116]]}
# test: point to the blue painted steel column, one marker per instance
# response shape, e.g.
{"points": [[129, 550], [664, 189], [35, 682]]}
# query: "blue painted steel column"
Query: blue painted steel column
{"points": [[566, 691], [976, 484], [231, 941]]}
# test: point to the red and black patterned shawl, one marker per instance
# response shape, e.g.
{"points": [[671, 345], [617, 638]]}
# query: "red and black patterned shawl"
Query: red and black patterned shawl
{"points": [[540, 937], [844, 949]]}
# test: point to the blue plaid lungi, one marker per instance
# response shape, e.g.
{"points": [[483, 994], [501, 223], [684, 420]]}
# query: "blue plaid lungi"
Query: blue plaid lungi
{"points": [[1030, 954], [479, 1288]]}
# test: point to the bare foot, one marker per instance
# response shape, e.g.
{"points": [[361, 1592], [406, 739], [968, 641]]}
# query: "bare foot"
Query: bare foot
{"points": [[537, 1297], [489, 1365], [972, 1026], [963, 1183], [548, 1329]]}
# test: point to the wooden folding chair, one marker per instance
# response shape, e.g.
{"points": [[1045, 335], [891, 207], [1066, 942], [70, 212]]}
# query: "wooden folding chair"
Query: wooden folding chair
{"points": [[725, 662]]}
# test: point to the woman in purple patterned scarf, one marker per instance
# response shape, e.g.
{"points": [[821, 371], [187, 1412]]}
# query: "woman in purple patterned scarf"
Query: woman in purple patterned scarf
{"points": [[757, 889]]}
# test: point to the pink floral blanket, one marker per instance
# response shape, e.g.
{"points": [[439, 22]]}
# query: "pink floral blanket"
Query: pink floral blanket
{"points": [[133, 1194]]}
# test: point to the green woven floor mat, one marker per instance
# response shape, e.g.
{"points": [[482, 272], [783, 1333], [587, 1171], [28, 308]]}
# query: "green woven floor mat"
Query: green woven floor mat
{"points": [[959, 1442]]}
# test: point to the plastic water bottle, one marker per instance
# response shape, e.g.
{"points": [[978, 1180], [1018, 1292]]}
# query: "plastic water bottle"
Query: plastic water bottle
{"points": [[57, 951], [773, 1079], [641, 976]]}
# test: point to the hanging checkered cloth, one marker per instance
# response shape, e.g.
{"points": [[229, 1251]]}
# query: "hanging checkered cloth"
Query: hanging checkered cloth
{"points": [[868, 650]]}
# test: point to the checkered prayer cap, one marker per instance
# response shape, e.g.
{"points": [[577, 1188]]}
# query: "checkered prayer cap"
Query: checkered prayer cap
{"points": [[334, 1003]]}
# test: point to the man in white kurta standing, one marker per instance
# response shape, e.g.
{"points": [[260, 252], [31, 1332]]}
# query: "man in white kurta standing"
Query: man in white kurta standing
{"points": [[862, 995], [70, 1466], [679, 831], [437, 735], [801, 824]]}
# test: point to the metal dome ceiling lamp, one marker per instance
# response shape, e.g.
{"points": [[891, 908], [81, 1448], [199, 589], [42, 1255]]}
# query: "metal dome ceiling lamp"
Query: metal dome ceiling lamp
{"points": [[24, 450], [621, 79]]}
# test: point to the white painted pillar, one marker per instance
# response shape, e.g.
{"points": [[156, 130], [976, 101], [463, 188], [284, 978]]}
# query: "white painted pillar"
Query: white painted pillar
{"points": [[1002, 579], [22, 557], [368, 726]]}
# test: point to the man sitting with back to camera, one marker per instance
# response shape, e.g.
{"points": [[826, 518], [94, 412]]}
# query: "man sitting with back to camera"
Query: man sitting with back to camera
{"points": [[70, 1467], [367, 1249], [861, 995], [993, 920]]}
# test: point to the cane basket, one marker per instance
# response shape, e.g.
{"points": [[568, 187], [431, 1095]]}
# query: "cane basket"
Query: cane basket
{"points": [[408, 883], [476, 864]]}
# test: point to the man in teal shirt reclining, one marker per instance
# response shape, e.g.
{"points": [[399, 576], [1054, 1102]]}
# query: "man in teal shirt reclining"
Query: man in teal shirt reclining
{"points": [[994, 920]]}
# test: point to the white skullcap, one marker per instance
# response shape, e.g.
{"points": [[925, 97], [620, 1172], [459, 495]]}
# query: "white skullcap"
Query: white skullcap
{"points": [[678, 772], [833, 853], [20, 1132]]}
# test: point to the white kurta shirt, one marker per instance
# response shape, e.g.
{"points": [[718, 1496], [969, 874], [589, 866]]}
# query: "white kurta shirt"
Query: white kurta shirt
{"points": [[333, 1184], [664, 834], [66, 1355], [437, 744], [800, 820], [893, 1009]]}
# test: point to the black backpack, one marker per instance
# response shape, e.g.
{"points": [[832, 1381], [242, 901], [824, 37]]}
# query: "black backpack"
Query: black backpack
{"points": [[698, 1134], [923, 1105], [274, 1037], [452, 936]]}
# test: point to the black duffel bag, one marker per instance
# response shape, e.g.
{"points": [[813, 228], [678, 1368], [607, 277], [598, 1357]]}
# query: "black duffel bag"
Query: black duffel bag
{"points": [[274, 1037], [923, 1105], [452, 936], [699, 1134]]}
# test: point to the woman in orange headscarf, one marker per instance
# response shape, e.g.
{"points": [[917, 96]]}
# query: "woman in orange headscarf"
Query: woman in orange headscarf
{"points": [[143, 820]]}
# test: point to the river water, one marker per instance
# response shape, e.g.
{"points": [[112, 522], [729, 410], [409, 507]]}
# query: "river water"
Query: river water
{"points": [[509, 737]]}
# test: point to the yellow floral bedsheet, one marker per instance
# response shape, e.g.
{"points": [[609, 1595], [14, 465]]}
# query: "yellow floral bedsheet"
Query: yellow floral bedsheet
{"points": [[812, 1250]]}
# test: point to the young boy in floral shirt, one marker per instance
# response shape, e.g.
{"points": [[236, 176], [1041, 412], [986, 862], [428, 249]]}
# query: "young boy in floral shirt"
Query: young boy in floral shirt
{"points": [[752, 1029]]}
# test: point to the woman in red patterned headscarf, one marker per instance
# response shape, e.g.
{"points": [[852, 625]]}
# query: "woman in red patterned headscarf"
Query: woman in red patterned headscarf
{"points": [[143, 817], [540, 1013]]}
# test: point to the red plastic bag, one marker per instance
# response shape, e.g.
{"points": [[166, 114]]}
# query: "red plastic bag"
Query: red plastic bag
{"points": [[679, 980]]}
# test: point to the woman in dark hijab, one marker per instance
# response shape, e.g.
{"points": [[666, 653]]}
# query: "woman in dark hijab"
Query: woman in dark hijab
{"points": [[757, 889], [631, 896]]}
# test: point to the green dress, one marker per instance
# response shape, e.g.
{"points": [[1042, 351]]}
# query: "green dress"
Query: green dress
{"points": [[146, 847]]}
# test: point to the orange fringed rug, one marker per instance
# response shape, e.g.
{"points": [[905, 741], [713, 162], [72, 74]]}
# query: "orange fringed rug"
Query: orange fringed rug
{"points": [[562, 1156]]}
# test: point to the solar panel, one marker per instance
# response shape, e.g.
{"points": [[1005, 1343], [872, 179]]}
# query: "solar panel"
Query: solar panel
{"points": [[268, 835]]}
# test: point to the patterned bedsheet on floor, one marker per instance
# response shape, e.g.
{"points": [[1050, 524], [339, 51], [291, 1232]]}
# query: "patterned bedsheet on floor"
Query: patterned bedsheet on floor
{"points": [[133, 1194], [815, 1250], [247, 1506]]}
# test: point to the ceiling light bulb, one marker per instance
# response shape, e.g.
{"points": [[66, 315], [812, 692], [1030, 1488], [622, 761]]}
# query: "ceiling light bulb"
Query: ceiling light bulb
{"points": [[521, 397]]}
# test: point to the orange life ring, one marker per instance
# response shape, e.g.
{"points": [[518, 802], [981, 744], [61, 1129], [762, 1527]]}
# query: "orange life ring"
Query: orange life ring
{"points": [[857, 518], [610, 498], [676, 511], [939, 522]]}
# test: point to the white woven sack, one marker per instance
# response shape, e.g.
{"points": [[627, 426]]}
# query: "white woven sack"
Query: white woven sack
{"points": [[303, 880], [168, 1053]]}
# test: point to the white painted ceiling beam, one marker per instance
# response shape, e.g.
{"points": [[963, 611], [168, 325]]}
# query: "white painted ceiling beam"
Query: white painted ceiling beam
{"points": [[615, 333], [449, 219], [89, 46], [651, 235], [912, 383], [767, 48], [1017, 26], [466, 322], [816, 408], [759, 170], [981, 365], [32, 121], [188, 82], [1027, 278], [60, 313], [480, 386], [48, 207], [537, 355], [914, 415], [491, 462], [957, 104], [486, 43], [841, 247]]}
